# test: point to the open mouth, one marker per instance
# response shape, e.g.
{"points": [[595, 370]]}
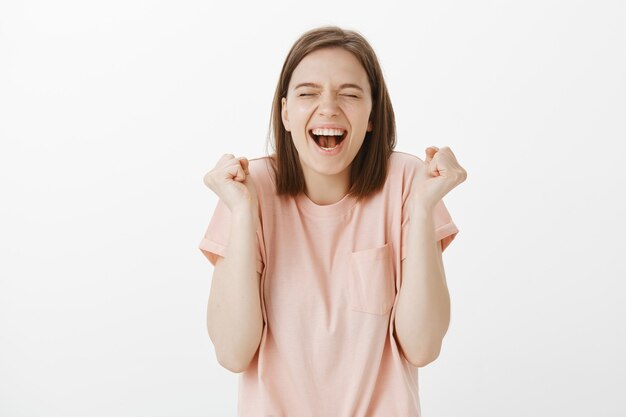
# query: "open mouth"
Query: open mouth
{"points": [[328, 142]]}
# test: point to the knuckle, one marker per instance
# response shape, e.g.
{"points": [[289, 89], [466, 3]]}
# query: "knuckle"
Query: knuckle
{"points": [[225, 159], [207, 180]]}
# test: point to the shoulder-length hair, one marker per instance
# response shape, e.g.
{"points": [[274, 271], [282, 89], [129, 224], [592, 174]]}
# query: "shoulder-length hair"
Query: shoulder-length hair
{"points": [[369, 167]]}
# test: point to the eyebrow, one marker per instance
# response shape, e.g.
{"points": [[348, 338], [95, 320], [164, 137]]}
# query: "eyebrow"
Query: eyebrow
{"points": [[346, 85]]}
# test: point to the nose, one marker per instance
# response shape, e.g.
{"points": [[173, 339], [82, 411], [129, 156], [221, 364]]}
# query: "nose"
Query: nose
{"points": [[328, 105]]}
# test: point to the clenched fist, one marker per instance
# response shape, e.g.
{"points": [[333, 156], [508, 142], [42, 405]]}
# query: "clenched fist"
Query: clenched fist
{"points": [[440, 174], [231, 181]]}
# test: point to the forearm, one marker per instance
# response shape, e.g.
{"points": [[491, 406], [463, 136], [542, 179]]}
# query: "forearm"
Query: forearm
{"points": [[423, 309], [234, 318]]}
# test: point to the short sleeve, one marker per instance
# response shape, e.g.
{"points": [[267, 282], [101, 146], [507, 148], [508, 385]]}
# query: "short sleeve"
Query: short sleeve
{"points": [[215, 239], [445, 229]]}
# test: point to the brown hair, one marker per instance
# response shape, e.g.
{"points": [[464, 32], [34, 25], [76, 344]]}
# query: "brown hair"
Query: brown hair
{"points": [[369, 167]]}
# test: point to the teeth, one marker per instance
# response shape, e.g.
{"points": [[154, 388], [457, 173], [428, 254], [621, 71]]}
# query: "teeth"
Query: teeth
{"points": [[328, 132]]}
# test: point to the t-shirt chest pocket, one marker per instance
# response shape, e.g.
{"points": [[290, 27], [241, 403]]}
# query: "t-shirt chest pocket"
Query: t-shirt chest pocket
{"points": [[371, 280]]}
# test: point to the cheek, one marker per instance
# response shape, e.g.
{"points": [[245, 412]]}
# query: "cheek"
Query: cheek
{"points": [[300, 112], [299, 115], [357, 111]]}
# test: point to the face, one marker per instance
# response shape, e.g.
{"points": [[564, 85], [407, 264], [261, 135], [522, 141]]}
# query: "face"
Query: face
{"points": [[328, 88]]}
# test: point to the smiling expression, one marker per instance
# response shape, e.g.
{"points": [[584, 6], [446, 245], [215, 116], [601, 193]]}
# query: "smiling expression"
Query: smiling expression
{"points": [[328, 88]]}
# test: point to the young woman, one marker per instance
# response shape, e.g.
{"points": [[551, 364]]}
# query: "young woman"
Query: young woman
{"points": [[329, 289]]}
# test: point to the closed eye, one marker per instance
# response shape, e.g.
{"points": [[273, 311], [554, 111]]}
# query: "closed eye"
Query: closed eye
{"points": [[348, 95]]}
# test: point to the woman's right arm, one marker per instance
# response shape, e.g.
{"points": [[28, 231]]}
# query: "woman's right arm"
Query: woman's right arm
{"points": [[234, 317]]}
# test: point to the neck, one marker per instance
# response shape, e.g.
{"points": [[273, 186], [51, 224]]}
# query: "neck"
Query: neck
{"points": [[327, 189]]}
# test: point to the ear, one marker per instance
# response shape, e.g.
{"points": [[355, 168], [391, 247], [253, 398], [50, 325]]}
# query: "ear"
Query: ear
{"points": [[370, 127], [283, 113]]}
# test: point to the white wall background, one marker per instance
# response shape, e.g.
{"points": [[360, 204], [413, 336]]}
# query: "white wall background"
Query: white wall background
{"points": [[112, 112]]}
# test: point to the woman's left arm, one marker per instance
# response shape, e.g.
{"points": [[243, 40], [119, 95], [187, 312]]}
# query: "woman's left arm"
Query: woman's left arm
{"points": [[423, 309]]}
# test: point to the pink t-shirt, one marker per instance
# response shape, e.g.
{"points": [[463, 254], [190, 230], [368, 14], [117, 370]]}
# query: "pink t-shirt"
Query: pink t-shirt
{"points": [[330, 277]]}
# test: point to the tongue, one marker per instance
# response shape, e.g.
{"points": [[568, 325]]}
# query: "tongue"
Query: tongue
{"points": [[328, 141]]}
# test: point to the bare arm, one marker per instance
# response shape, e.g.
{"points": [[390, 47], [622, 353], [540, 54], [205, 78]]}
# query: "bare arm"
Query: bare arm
{"points": [[423, 310], [234, 318]]}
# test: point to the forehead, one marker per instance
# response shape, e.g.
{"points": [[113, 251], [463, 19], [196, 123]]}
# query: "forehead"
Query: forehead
{"points": [[333, 65]]}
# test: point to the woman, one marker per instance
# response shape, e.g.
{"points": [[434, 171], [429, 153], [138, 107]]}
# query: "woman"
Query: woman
{"points": [[329, 289]]}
